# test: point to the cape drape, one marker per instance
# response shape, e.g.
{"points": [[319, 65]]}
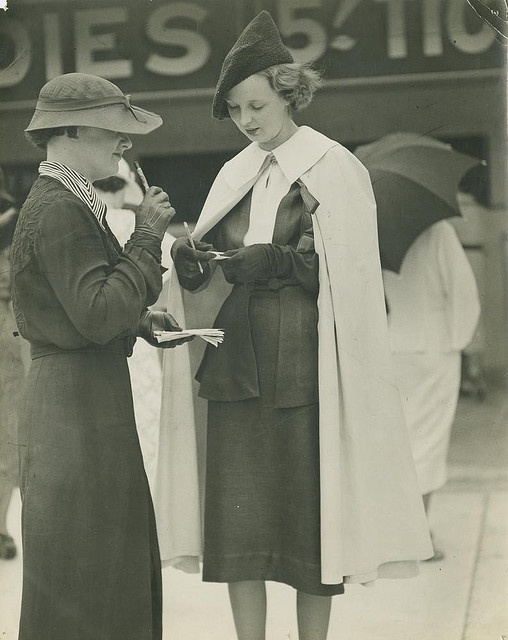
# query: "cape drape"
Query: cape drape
{"points": [[372, 519]]}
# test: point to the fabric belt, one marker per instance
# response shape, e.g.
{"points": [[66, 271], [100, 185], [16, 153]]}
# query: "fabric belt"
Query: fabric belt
{"points": [[272, 284], [41, 350]]}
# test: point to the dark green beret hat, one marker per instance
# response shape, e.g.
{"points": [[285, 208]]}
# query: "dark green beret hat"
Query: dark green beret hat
{"points": [[258, 47]]}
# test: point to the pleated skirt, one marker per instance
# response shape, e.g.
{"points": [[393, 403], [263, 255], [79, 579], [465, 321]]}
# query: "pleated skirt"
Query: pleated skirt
{"points": [[262, 496]]}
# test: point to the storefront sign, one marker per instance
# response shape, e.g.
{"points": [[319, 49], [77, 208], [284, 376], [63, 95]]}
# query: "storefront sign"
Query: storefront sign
{"points": [[170, 46]]}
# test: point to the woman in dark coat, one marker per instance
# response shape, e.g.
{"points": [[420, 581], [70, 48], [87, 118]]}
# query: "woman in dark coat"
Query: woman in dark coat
{"points": [[91, 560]]}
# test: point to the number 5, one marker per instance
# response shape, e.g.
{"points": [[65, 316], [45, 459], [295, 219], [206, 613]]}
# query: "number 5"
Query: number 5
{"points": [[312, 30]]}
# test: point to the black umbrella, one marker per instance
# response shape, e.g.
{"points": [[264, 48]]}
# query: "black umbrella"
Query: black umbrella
{"points": [[415, 180]]}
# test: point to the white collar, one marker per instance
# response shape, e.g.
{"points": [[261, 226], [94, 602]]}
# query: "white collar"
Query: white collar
{"points": [[295, 156]]}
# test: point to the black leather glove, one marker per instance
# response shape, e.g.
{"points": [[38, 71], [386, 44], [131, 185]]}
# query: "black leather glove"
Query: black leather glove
{"points": [[151, 321], [186, 258], [154, 213], [256, 262]]}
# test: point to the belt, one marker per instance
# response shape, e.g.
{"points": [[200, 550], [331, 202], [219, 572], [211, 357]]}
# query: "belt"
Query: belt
{"points": [[113, 348], [273, 284]]}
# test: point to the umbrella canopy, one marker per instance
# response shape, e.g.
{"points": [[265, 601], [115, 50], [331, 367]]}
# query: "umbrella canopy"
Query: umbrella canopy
{"points": [[415, 180]]}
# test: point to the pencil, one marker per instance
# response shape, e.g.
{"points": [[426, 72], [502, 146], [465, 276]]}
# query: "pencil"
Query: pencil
{"points": [[189, 237], [142, 177]]}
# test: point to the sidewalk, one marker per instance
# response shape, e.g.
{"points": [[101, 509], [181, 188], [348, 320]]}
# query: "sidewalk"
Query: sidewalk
{"points": [[464, 597]]}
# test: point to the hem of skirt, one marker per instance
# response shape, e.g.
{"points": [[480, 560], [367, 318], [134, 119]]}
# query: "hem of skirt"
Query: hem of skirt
{"points": [[300, 575]]}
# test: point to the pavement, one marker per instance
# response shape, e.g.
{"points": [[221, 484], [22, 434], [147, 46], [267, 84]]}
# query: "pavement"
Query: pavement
{"points": [[463, 597]]}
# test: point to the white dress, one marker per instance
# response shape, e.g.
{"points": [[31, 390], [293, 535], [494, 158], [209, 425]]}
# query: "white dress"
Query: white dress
{"points": [[433, 308]]}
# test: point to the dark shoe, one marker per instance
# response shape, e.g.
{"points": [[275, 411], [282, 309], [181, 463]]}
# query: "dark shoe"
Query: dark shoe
{"points": [[7, 547], [472, 378]]}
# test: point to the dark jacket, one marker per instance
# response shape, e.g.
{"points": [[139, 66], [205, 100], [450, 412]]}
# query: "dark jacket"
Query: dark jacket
{"points": [[229, 373]]}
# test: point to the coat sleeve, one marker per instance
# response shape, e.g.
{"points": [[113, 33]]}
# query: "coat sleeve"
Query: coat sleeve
{"points": [[303, 266], [101, 301], [459, 286]]}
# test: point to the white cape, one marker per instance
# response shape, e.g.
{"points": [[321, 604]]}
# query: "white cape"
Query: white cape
{"points": [[372, 519]]}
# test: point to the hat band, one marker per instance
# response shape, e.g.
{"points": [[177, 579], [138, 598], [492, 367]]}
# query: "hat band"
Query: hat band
{"points": [[72, 105]]}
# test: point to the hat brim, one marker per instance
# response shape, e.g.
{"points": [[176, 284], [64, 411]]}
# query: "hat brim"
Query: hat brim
{"points": [[114, 117]]}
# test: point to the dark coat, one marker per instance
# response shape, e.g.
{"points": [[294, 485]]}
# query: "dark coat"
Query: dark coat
{"points": [[91, 561], [231, 372]]}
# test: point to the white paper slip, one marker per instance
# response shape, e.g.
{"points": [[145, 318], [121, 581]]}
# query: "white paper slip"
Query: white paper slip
{"points": [[219, 255], [213, 336]]}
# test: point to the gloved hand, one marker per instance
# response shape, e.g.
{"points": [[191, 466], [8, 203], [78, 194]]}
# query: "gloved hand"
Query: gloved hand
{"points": [[151, 321], [255, 262], [155, 212], [186, 258]]}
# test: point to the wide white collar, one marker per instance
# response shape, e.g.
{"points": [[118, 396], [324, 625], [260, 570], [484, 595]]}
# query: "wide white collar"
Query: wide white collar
{"points": [[295, 156]]}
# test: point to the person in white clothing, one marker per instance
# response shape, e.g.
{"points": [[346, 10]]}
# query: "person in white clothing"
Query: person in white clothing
{"points": [[433, 310], [471, 232]]}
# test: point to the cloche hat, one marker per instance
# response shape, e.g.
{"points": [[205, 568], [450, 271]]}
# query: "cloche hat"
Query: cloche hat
{"points": [[258, 47], [81, 99]]}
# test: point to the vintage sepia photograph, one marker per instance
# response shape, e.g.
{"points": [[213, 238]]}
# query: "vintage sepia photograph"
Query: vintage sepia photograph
{"points": [[253, 320]]}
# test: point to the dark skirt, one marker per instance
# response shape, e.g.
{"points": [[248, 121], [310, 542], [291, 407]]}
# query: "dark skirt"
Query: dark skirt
{"points": [[91, 562], [262, 500]]}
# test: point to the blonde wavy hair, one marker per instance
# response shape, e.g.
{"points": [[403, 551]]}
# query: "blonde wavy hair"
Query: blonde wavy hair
{"points": [[295, 82]]}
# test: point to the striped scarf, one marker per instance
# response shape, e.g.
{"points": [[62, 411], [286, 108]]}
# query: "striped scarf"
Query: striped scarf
{"points": [[77, 184]]}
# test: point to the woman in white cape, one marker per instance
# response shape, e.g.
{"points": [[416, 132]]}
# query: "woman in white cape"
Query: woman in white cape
{"points": [[309, 477]]}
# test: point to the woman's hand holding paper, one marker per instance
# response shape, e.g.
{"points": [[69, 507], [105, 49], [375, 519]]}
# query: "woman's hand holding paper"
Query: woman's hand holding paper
{"points": [[156, 321]]}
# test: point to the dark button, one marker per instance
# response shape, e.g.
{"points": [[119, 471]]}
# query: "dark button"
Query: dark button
{"points": [[274, 283]]}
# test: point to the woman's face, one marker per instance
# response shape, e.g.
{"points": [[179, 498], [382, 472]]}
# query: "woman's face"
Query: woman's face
{"points": [[101, 150], [260, 113]]}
